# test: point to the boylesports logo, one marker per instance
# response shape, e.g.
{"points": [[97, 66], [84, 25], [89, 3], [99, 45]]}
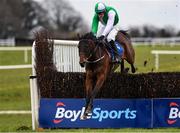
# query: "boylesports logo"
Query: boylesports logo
{"points": [[59, 104], [97, 114], [174, 113]]}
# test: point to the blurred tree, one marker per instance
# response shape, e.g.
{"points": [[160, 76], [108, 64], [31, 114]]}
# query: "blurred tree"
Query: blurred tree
{"points": [[178, 34], [19, 17], [149, 31], [9, 19], [64, 18], [135, 31], [170, 31], [34, 16], [163, 33], [152, 31]]}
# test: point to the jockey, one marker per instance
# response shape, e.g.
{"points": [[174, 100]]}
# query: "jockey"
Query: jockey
{"points": [[109, 18]]}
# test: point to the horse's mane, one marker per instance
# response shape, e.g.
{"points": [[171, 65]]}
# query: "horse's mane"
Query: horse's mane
{"points": [[89, 35], [125, 33]]}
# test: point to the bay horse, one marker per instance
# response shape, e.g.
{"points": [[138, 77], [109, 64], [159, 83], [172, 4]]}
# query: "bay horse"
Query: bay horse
{"points": [[96, 59]]}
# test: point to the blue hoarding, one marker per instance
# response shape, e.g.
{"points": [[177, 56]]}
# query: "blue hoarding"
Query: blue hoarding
{"points": [[107, 113], [166, 112]]}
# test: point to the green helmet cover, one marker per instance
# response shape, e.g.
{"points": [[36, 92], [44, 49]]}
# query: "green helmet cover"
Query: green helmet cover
{"points": [[100, 7]]}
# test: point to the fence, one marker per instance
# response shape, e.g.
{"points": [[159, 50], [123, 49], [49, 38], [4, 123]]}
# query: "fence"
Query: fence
{"points": [[158, 52], [135, 40], [63, 110], [15, 67], [7, 42], [156, 41], [66, 56], [25, 49], [65, 59]]}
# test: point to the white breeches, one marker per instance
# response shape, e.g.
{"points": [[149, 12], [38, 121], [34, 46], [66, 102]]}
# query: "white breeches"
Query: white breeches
{"points": [[112, 34]]}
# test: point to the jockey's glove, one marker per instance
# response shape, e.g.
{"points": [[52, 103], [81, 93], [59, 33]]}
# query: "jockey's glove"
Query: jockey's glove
{"points": [[101, 38]]}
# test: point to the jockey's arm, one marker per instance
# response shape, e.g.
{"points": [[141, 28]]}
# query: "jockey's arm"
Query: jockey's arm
{"points": [[95, 23], [110, 22]]}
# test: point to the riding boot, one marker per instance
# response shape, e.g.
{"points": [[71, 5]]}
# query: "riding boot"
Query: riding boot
{"points": [[117, 57]]}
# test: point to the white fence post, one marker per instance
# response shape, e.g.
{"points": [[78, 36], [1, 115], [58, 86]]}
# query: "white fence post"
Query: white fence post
{"points": [[32, 104], [34, 92], [156, 61], [25, 55]]}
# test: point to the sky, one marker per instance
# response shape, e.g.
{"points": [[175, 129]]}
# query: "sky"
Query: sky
{"points": [[159, 13]]}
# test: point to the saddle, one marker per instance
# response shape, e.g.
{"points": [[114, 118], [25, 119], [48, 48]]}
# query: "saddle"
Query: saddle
{"points": [[112, 52]]}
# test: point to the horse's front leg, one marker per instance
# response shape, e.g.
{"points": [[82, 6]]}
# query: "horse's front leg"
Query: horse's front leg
{"points": [[89, 86], [100, 80]]}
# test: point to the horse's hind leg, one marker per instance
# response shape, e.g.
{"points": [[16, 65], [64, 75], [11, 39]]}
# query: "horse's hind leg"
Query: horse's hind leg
{"points": [[133, 70]]}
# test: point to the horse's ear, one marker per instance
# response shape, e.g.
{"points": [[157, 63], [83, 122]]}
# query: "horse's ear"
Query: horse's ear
{"points": [[78, 36]]}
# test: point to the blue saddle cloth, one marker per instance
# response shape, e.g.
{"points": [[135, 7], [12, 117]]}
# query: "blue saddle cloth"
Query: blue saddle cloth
{"points": [[120, 50]]}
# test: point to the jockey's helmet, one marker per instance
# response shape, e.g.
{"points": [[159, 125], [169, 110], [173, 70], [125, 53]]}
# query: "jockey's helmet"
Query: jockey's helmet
{"points": [[100, 7]]}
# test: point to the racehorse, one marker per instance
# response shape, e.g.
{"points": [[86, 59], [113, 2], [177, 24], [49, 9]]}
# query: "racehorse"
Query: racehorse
{"points": [[96, 59]]}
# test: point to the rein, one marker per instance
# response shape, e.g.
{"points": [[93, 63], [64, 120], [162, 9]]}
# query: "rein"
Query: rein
{"points": [[95, 61]]}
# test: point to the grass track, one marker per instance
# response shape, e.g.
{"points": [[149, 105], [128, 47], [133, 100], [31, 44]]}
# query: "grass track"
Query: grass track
{"points": [[14, 89]]}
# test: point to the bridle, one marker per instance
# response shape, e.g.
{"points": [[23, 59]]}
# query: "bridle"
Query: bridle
{"points": [[92, 53]]}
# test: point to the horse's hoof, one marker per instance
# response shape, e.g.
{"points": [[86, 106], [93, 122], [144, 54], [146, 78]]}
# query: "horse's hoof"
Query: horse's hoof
{"points": [[83, 117], [133, 70], [86, 116]]}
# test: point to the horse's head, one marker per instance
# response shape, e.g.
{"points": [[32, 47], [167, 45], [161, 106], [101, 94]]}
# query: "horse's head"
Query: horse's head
{"points": [[86, 47]]}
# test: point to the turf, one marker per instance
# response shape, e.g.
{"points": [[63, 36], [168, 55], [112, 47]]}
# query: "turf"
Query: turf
{"points": [[13, 57], [15, 123], [168, 63], [14, 89]]}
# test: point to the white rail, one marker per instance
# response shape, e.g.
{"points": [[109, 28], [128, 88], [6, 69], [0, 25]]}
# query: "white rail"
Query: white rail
{"points": [[157, 52], [65, 42], [15, 67], [156, 41], [15, 112]]}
